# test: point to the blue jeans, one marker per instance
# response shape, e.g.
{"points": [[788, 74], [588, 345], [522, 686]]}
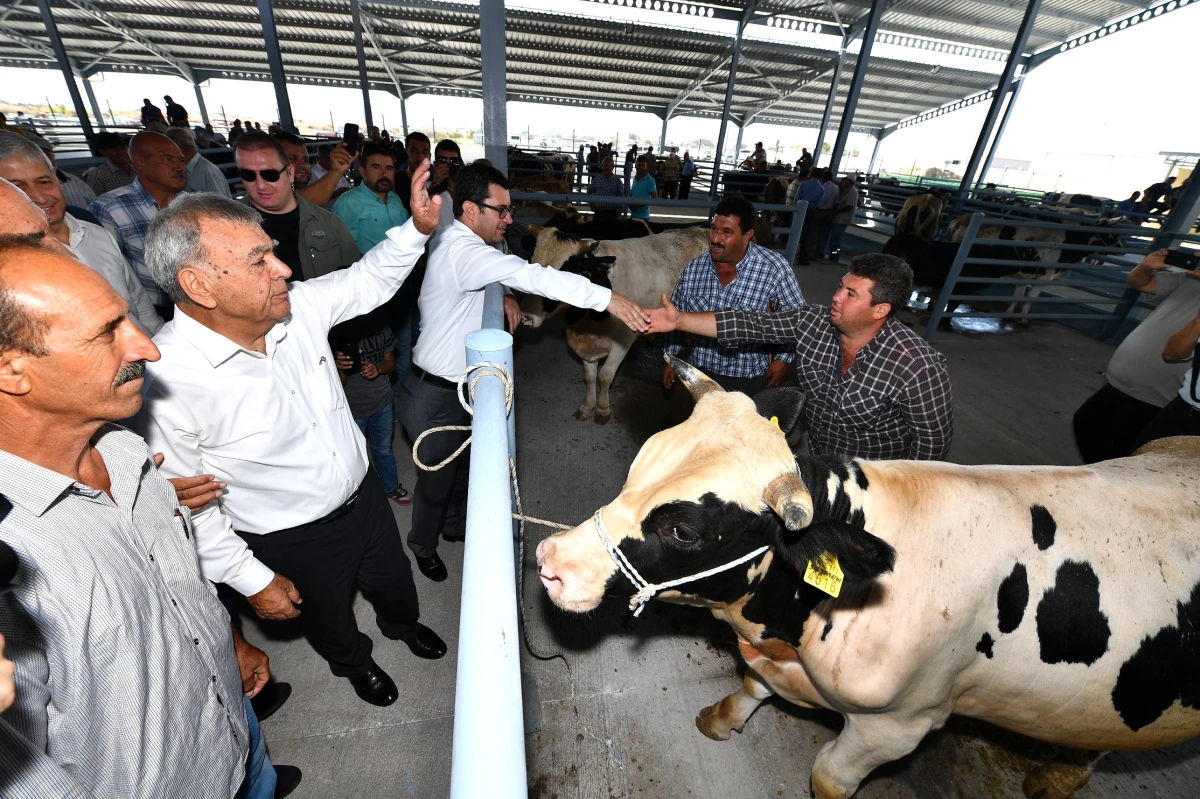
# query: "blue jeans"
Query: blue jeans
{"points": [[378, 430], [260, 774], [836, 232]]}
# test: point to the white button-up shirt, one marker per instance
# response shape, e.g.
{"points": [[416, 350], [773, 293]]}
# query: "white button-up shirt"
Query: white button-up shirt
{"points": [[274, 426], [460, 267], [97, 248], [205, 176]]}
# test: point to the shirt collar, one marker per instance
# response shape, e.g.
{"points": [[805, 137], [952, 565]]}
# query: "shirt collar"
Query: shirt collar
{"points": [[216, 348], [195, 159], [77, 228], [36, 488], [142, 195]]}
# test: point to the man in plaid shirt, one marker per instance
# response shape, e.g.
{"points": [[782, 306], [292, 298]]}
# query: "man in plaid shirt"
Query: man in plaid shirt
{"points": [[734, 273], [874, 388]]}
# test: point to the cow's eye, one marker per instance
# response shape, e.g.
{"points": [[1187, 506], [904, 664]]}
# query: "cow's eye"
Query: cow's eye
{"points": [[683, 535]]}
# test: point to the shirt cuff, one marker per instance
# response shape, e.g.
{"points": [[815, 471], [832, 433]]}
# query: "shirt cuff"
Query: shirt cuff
{"points": [[727, 328], [407, 235], [254, 578]]}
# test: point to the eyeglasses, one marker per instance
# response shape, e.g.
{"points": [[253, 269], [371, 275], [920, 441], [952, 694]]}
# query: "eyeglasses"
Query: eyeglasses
{"points": [[269, 175], [502, 211]]}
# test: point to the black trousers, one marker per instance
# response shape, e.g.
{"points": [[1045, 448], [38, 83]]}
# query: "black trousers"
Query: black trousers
{"points": [[685, 186], [439, 498], [1177, 419], [1108, 424], [326, 561]]}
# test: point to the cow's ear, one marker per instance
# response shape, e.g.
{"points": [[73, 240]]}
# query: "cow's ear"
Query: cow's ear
{"points": [[549, 305], [861, 556], [781, 402], [573, 315]]}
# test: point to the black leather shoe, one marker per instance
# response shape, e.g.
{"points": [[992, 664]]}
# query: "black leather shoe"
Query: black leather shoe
{"points": [[456, 536], [287, 779], [432, 567], [270, 699], [375, 686], [425, 643]]}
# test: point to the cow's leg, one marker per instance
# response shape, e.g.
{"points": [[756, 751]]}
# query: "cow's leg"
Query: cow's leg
{"points": [[866, 743], [719, 720], [620, 348], [590, 370], [1062, 776]]}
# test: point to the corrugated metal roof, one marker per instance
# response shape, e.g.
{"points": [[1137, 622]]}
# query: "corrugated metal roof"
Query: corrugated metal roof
{"points": [[587, 60]]}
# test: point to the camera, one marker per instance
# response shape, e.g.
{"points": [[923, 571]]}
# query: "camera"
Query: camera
{"points": [[453, 161], [1183, 259]]}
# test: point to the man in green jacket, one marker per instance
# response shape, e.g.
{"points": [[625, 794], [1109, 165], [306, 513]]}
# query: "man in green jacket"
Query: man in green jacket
{"points": [[309, 239]]}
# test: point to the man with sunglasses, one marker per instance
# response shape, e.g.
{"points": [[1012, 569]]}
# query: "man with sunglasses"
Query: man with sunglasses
{"points": [[463, 260], [309, 239]]}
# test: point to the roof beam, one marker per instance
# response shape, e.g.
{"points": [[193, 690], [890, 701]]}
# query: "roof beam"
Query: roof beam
{"points": [[1045, 12], [441, 40], [118, 27], [403, 30], [717, 64]]}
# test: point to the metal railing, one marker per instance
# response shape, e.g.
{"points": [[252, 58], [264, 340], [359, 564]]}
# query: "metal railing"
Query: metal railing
{"points": [[1093, 294], [489, 727]]}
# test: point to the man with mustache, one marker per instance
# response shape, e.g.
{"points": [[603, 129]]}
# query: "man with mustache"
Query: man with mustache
{"points": [[127, 669], [128, 211], [373, 208]]}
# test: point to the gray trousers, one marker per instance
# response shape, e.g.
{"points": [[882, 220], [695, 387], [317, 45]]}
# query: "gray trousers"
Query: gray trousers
{"points": [[440, 498]]}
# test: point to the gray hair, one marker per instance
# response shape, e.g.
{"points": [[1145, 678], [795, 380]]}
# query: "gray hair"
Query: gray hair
{"points": [[14, 145], [182, 137], [173, 240]]}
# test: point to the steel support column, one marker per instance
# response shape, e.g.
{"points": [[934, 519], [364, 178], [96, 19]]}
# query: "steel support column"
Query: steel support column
{"points": [[734, 57], [662, 137], [829, 101], [1002, 89], [64, 63], [737, 145], [495, 90], [403, 116], [275, 61], [856, 83], [200, 103], [1012, 100], [874, 154], [91, 98], [364, 82]]}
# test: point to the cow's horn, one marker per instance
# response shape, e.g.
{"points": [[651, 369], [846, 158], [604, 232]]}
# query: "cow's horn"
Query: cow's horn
{"points": [[696, 381], [788, 496]]}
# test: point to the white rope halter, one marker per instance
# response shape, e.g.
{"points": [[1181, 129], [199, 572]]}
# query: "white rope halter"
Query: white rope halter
{"points": [[646, 590]]}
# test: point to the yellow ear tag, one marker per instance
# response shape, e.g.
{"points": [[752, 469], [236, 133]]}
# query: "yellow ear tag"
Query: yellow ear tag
{"points": [[775, 421], [831, 580]]}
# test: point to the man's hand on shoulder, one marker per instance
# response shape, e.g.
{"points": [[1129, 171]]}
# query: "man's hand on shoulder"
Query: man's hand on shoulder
{"points": [[664, 319], [277, 601], [425, 209]]}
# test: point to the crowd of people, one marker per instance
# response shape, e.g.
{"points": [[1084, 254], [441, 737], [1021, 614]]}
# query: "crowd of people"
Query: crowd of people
{"points": [[207, 391]]}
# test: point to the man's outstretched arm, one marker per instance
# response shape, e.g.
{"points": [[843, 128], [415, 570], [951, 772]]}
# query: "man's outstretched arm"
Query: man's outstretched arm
{"points": [[669, 318]]}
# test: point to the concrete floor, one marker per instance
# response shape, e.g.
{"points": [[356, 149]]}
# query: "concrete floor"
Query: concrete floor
{"points": [[638, 683]]}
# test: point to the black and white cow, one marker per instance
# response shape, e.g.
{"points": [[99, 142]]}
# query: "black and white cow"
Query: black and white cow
{"points": [[1062, 603]]}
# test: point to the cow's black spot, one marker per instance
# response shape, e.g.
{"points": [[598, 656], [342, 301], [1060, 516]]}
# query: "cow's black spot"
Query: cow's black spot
{"points": [[860, 477], [1012, 599], [1162, 670], [1070, 625], [985, 645], [827, 628], [1044, 527]]}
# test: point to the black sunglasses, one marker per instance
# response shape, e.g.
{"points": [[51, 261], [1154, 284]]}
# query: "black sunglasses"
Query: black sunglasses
{"points": [[448, 159], [269, 175]]}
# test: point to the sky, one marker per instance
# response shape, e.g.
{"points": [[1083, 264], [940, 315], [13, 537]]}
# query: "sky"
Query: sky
{"points": [[1091, 120]]}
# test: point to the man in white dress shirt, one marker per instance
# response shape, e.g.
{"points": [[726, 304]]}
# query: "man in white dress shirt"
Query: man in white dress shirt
{"points": [[462, 261], [247, 390], [31, 202]]}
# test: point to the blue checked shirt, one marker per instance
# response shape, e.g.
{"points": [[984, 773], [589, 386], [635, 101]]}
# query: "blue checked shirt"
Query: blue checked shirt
{"points": [[127, 213], [605, 186], [763, 277]]}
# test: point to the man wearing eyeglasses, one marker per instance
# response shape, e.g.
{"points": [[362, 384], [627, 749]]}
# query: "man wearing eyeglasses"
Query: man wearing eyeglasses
{"points": [[463, 260], [309, 239]]}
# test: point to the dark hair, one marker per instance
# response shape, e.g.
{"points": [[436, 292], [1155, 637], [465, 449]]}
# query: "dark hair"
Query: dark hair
{"points": [[290, 138], [374, 148], [891, 276], [22, 329], [107, 140], [416, 135], [803, 173], [474, 182], [255, 140], [641, 159], [448, 144], [743, 209], [324, 148]]}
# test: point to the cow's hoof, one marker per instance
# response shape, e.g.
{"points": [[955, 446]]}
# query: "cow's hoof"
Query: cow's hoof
{"points": [[708, 722], [602, 417], [1055, 781], [582, 416]]}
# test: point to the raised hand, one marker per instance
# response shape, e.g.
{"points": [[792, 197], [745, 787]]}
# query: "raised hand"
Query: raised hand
{"points": [[425, 209]]}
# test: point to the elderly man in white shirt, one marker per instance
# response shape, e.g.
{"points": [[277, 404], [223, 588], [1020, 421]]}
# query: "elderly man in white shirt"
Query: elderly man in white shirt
{"points": [[32, 202], [247, 390], [202, 174], [462, 261]]}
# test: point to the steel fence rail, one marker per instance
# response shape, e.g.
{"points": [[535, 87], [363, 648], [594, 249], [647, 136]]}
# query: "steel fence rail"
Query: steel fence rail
{"points": [[489, 729]]}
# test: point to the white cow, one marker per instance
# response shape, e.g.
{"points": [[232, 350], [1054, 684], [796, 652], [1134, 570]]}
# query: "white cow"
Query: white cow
{"points": [[1062, 603], [642, 269]]}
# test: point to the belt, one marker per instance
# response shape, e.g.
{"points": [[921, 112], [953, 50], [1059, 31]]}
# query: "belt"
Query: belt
{"points": [[339, 511], [432, 379]]}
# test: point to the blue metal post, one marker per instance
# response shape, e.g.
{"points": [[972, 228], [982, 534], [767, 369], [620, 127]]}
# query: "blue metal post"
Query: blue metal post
{"points": [[275, 61], [1002, 88], [964, 250], [489, 729], [874, 154], [793, 245], [495, 87], [64, 63], [363, 81], [829, 101], [200, 103], [1012, 101], [861, 64], [736, 56]]}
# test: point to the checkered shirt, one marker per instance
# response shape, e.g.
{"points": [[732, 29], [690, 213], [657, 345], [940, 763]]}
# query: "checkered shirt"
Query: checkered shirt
{"points": [[127, 213], [106, 177], [763, 277], [605, 186], [894, 402]]}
